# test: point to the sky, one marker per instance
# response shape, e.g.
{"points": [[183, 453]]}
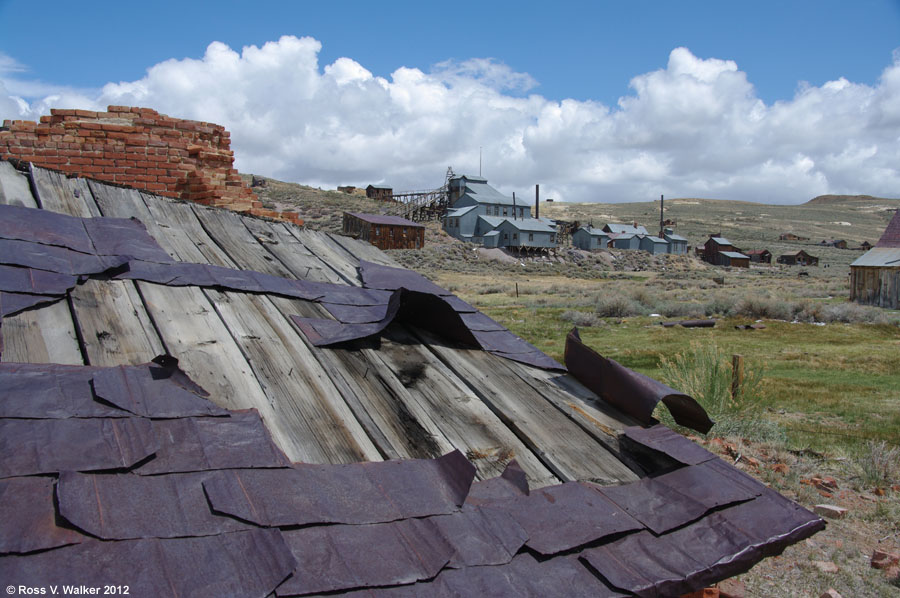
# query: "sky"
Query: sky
{"points": [[765, 101]]}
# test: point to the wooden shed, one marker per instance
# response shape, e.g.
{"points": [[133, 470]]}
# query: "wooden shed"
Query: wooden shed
{"points": [[384, 232], [380, 192], [799, 258], [760, 256], [875, 277]]}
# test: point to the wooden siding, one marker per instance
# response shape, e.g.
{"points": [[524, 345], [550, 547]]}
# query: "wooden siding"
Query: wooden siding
{"points": [[385, 236], [872, 285]]}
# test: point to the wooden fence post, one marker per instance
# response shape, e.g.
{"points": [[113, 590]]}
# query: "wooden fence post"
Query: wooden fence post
{"points": [[737, 375]]}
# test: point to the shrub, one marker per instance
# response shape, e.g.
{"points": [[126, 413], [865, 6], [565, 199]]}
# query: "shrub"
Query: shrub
{"points": [[619, 306], [879, 464], [757, 308], [720, 305], [583, 319], [704, 371]]}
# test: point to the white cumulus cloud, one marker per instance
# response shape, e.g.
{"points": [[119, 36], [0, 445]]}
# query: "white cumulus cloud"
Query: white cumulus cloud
{"points": [[693, 128]]}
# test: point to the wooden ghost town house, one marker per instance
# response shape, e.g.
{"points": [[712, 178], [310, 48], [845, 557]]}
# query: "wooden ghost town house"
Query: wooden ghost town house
{"points": [[203, 399]]}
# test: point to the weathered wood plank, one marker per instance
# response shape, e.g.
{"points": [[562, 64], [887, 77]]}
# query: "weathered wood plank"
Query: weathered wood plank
{"points": [[290, 251], [307, 411], [338, 258], [114, 325], [364, 250], [46, 334], [569, 451], [456, 410], [15, 190], [229, 232]]}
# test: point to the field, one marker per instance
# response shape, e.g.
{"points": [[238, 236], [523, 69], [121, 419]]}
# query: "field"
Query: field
{"points": [[826, 402]]}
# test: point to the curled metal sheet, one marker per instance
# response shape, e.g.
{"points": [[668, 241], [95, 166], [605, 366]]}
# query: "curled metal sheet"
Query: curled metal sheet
{"points": [[341, 557], [479, 321], [206, 443], [147, 390], [376, 276], [681, 496], [14, 279], [560, 518], [246, 564], [357, 493], [127, 506], [629, 391], [662, 439], [356, 314], [30, 523], [32, 446], [411, 307]]}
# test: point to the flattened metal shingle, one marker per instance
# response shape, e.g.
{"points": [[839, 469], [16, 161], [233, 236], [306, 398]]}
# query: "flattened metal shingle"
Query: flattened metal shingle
{"points": [[14, 279], [559, 518], [127, 506], [341, 557], [55, 259], [248, 564], [480, 536], [376, 276], [205, 443], [147, 390], [684, 495], [50, 391], [32, 446], [125, 237], [358, 493], [44, 226], [30, 520]]}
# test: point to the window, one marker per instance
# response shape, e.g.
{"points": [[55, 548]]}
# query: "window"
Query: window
{"points": [[496, 210], [505, 213], [531, 236], [521, 212], [506, 236], [515, 236]]}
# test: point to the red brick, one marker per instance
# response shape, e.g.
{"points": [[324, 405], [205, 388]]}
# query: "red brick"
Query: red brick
{"points": [[79, 160]]}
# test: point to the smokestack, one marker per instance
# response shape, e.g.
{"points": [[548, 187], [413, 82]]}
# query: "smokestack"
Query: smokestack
{"points": [[514, 205], [537, 201], [661, 219]]}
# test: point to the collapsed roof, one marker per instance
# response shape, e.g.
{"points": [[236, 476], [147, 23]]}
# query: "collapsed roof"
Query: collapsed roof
{"points": [[241, 407]]}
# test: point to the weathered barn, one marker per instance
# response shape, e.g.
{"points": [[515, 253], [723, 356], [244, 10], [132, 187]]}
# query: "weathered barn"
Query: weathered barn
{"points": [[188, 395], [721, 252], [385, 192], [590, 238], [384, 232], [798, 258], [837, 243], [875, 276], [624, 241], [616, 228], [734, 259], [759, 256]]}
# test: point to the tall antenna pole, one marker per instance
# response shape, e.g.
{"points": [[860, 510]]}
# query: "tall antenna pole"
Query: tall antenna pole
{"points": [[514, 205]]}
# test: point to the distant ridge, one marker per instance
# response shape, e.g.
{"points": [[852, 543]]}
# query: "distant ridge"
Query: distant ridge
{"points": [[832, 199]]}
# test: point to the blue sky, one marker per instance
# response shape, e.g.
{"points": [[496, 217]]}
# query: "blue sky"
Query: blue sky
{"points": [[763, 57]]}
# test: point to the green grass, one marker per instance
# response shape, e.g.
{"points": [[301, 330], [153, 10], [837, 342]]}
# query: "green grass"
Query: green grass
{"points": [[830, 385]]}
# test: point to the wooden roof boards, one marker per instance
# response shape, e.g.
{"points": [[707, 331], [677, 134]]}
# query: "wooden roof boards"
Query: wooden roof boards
{"points": [[175, 471]]}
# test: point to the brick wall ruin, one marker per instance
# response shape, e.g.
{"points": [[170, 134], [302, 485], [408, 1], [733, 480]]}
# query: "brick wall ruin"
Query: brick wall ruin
{"points": [[138, 147]]}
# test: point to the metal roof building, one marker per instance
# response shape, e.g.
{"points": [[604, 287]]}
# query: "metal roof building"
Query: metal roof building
{"points": [[875, 276], [201, 403]]}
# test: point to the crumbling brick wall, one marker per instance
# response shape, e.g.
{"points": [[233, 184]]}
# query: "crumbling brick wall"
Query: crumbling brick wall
{"points": [[138, 147]]}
